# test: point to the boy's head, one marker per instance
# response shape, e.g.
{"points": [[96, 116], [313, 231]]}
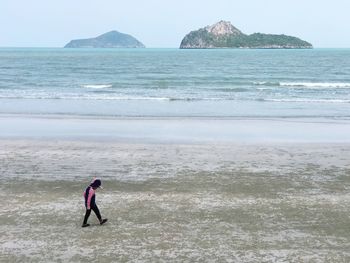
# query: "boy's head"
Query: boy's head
{"points": [[96, 183]]}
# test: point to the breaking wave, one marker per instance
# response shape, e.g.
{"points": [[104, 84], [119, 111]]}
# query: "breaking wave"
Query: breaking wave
{"points": [[309, 100], [97, 86], [306, 84]]}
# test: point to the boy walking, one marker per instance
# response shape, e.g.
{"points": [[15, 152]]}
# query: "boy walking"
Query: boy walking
{"points": [[90, 204]]}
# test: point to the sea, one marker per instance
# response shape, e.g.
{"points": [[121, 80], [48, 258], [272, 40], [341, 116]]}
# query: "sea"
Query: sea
{"points": [[175, 83]]}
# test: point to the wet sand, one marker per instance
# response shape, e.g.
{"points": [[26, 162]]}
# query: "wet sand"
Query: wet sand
{"points": [[224, 202], [174, 130]]}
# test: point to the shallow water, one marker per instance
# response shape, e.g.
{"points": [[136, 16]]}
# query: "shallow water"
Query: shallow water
{"points": [[181, 203]]}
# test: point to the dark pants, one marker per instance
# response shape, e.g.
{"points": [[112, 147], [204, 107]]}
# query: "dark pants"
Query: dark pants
{"points": [[88, 212]]}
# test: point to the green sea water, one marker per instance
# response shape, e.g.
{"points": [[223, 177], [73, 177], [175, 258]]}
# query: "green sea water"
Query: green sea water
{"points": [[173, 82]]}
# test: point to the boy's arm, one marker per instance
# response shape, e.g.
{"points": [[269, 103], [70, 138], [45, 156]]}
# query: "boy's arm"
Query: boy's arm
{"points": [[91, 193]]}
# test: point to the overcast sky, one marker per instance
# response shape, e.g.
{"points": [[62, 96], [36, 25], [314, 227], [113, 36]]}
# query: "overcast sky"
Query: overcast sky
{"points": [[163, 23]]}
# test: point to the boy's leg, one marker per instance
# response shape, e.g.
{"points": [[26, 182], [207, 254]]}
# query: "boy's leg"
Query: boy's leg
{"points": [[97, 212], [87, 214]]}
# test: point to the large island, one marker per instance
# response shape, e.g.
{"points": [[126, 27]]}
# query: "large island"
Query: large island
{"points": [[224, 35]]}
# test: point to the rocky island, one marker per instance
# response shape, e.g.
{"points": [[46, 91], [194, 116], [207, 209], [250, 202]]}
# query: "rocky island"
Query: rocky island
{"points": [[112, 39], [224, 35]]}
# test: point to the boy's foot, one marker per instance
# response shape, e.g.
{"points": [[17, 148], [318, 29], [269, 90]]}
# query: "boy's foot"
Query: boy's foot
{"points": [[85, 225], [103, 221]]}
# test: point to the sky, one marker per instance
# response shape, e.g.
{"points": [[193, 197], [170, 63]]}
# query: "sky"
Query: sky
{"points": [[163, 23]]}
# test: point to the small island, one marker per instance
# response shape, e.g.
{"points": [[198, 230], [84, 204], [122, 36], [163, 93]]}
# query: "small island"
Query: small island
{"points": [[112, 39], [224, 35]]}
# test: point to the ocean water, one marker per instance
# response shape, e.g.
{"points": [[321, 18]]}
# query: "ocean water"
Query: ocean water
{"points": [[173, 82]]}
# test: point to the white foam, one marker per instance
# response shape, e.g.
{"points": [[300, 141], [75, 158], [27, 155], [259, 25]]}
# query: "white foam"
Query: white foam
{"points": [[84, 97], [317, 84], [305, 84], [309, 100], [263, 88], [260, 82], [98, 86], [127, 98]]}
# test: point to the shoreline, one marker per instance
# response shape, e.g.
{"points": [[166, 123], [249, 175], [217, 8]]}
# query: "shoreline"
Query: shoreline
{"points": [[174, 130], [49, 116]]}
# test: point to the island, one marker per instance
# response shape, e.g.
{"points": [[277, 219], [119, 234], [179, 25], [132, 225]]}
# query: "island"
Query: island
{"points": [[224, 35], [112, 39]]}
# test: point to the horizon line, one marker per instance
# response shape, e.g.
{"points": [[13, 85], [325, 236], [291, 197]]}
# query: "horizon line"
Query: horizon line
{"points": [[62, 47]]}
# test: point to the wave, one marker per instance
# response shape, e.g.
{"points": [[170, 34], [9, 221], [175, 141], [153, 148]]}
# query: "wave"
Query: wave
{"points": [[317, 84], [305, 84], [155, 98], [230, 89], [103, 91], [199, 99], [83, 98], [266, 83], [118, 98], [97, 86], [170, 99], [133, 98], [308, 100]]}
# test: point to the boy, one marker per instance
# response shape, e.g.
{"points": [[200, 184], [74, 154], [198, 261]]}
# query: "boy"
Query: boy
{"points": [[90, 203]]}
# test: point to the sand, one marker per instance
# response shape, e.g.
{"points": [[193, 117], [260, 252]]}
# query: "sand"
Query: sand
{"points": [[172, 202]]}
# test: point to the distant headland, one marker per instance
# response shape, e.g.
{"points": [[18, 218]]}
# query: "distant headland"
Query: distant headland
{"points": [[112, 39], [224, 35]]}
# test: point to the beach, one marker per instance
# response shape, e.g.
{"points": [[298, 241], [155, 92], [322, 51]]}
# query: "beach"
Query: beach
{"points": [[204, 155], [173, 200]]}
